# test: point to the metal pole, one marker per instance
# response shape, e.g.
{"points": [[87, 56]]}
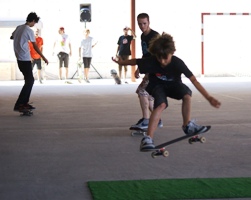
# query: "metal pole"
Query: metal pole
{"points": [[133, 41]]}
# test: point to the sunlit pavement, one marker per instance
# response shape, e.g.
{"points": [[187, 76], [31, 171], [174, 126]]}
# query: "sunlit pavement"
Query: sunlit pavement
{"points": [[80, 132]]}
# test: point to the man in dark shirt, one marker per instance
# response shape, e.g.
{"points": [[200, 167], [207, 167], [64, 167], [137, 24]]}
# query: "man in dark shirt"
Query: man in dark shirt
{"points": [[165, 71], [145, 99], [124, 49]]}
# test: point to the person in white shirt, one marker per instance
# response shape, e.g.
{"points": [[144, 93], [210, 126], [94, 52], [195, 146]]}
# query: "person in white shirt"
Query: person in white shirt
{"points": [[63, 44], [86, 48], [21, 36]]}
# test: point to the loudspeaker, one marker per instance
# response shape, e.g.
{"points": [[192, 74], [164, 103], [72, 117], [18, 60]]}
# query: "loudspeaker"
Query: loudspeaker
{"points": [[85, 12]]}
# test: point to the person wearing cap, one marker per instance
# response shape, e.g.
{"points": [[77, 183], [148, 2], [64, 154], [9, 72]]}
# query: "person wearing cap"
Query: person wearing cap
{"points": [[124, 49], [64, 51]]}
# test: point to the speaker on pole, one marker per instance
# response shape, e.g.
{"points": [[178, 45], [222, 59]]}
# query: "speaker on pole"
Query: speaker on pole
{"points": [[85, 12]]}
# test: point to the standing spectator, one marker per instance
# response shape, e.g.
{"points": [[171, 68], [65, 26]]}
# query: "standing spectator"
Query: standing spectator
{"points": [[35, 57], [86, 47], [64, 51], [124, 49], [21, 36], [145, 99]]}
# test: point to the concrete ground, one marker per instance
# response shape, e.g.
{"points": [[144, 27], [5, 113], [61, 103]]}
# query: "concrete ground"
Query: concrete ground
{"points": [[80, 133]]}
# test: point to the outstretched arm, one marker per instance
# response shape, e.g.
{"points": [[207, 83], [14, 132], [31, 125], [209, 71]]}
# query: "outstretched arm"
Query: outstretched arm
{"points": [[95, 44], [117, 51], [125, 62], [70, 53], [214, 102]]}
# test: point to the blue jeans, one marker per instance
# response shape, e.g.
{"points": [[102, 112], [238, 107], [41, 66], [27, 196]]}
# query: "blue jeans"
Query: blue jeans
{"points": [[26, 68]]}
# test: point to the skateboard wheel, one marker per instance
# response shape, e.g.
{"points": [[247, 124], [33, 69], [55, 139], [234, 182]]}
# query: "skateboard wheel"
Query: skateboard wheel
{"points": [[153, 155], [165, 153], [202, 139], [191, 141]]}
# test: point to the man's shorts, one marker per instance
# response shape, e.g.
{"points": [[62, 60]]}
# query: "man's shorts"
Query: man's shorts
{"points": [[38, 63], [141, 90], [87, 62], [63, 58], [123, 57], [174, 90]]}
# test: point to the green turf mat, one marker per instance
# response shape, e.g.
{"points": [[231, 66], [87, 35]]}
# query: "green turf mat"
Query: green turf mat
{"points": [[199, 188]]}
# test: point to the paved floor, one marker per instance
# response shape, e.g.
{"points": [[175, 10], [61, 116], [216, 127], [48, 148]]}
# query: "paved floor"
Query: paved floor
{"points": [[79, 133]]}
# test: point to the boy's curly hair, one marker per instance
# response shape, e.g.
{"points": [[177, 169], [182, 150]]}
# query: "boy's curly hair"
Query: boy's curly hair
{"points": [[162, 45]]}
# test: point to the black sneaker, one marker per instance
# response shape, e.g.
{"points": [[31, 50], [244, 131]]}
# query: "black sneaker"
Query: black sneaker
{"points": [[30, 107], [16, 108], [21, 108]]}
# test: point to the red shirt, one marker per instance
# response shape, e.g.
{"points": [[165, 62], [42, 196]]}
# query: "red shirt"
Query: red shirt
{"points": [[34, 54]]}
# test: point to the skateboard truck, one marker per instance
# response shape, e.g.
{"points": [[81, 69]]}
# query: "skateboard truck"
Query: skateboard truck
{"points": [[26, 113], [196, 139], [138, 132], [160, 152]]}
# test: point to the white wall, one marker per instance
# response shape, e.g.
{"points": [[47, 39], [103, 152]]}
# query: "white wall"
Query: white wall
{"points": [[181, 18]]}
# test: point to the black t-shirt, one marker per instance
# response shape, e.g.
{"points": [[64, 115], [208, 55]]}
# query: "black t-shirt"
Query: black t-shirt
{"points": [[124, 43], [159, 74], [145, 40]]}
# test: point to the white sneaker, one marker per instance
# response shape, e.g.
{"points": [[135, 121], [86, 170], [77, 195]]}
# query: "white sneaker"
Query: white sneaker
{"points": [[193, 128], [160, 124], [146, 144]]}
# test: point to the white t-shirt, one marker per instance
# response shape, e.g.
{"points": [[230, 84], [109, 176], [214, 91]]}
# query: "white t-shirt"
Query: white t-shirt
{"points": [[21, 36], [86, 45], [63, 42]]}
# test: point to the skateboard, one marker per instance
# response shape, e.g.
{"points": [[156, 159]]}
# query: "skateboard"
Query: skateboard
{"points": [[138, 131], [115, 76], [26, 113], [160, 150], [80, 73]]}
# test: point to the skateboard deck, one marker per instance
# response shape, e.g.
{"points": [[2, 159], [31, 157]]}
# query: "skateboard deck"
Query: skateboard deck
{"points": [[80, 71], [115, 76], [138, 131], [160, 150]]}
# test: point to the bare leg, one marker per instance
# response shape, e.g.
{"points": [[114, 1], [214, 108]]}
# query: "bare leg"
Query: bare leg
{"points": [[151, 105], [144, 103], [60, 73], [154, 119], [125, 72], [186, 109], [66, 72], [86, 73], [120, 74], [39, 77]]}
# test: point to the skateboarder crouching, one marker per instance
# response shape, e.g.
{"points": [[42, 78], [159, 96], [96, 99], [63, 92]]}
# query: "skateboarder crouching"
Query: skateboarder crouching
{"points": [[165, 71]]}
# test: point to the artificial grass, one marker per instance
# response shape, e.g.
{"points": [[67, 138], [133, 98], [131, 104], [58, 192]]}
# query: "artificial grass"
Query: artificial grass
{"points": [[199, 188]]}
